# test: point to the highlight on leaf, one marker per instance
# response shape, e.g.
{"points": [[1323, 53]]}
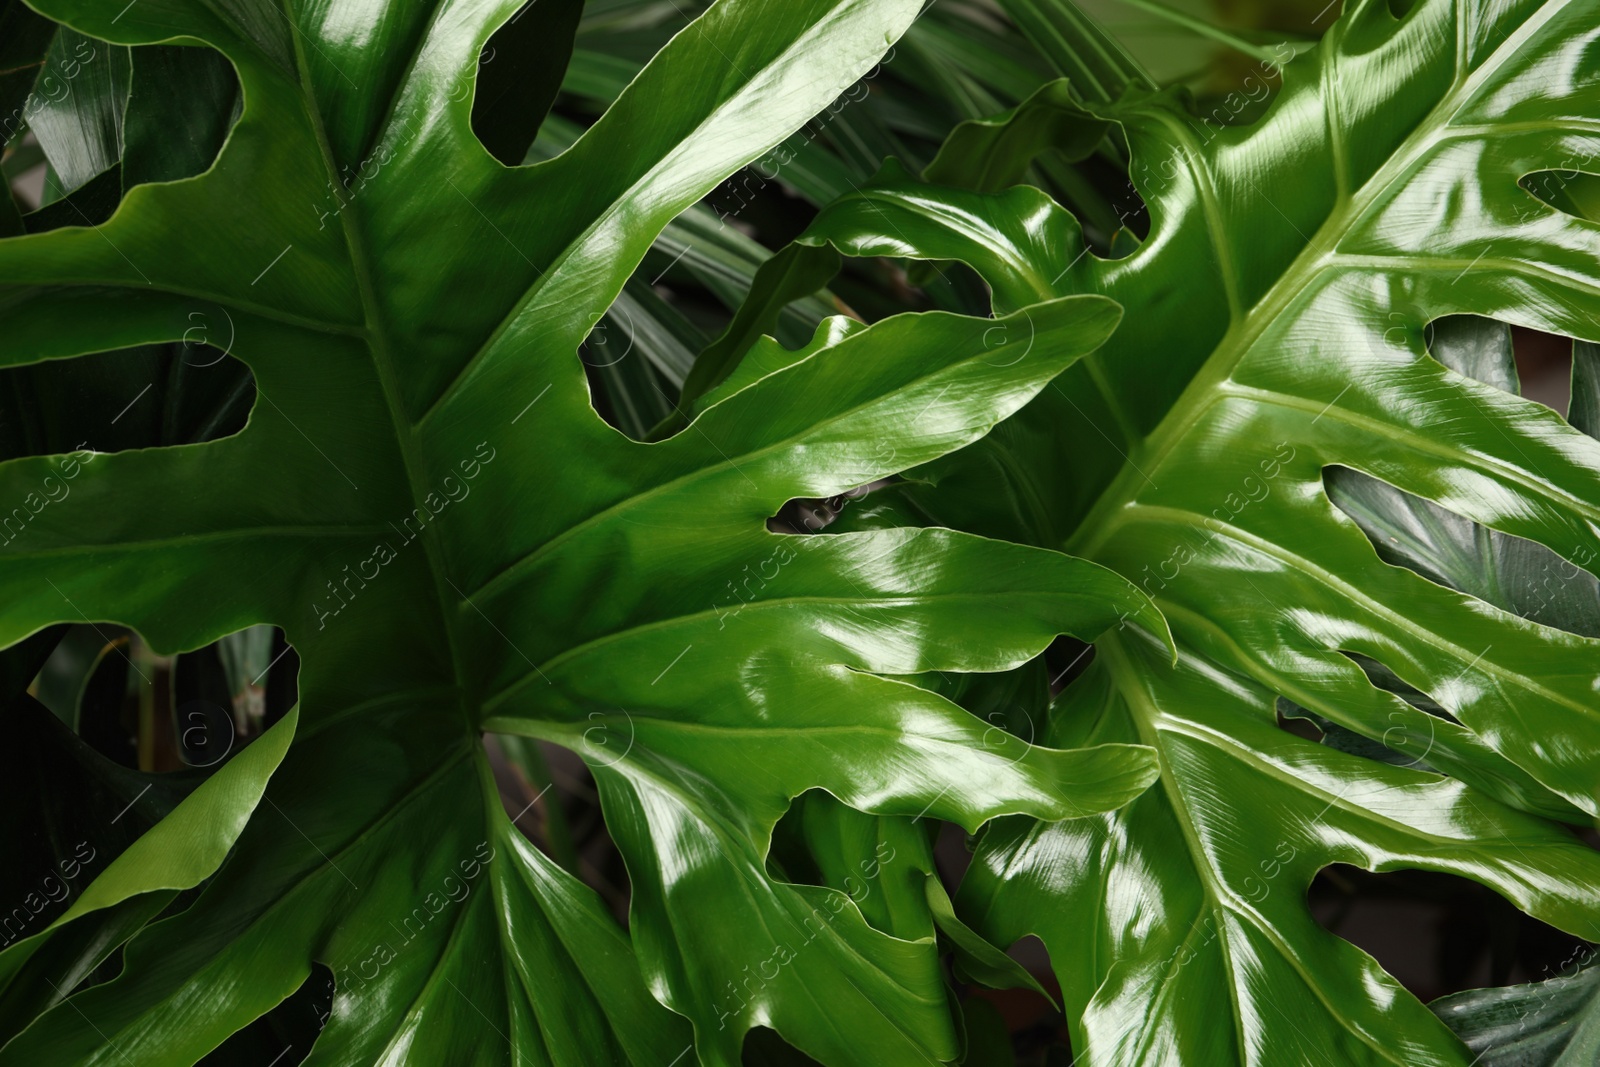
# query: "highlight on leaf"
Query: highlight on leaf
{"points": [[825, 532], [397, 466]]}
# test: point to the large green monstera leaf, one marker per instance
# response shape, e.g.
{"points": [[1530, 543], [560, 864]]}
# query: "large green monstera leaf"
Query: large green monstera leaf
{"points": [[427, 504], [1293, 327]]}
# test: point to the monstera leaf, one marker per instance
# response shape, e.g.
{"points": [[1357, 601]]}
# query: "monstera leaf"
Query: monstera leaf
{"points": [[454, 542], [1277, 343]]}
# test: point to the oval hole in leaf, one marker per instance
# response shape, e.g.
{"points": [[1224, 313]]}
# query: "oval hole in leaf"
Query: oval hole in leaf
{"points": [[232, 691], [1512, 358], [1436, 933], [191, 711], [811, 515], [1571, 191], [1396, 746], [151, 396], [1511, 573], [520, 70], [1302, 723]]}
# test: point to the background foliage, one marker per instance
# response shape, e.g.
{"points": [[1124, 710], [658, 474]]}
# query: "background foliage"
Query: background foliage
{"points": [[977, 98]]}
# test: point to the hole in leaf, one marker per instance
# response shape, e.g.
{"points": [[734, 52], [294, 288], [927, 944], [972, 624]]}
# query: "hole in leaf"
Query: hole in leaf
{"points": [[1514, 359], [1436, 933], [158, 713], [1544, 367], [1066, 659], [1477, 347], [285, 1035], [151, 396], [1511, 573], [1395, 746], [231, 690], [1383, 678], [809, 515], [1300, 722], [548, 793], [764, 1047], [107, 118], [182, 102], [520, 70], [1568, 190]]}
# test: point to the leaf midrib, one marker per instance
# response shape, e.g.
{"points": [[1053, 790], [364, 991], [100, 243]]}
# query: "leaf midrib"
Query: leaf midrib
{"points": [[378, 345], [1296, 280], [1144, 713]]}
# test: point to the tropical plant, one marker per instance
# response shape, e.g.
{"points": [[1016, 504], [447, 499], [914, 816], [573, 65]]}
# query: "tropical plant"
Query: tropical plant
{"points": [[427, 504], [1301, 448], [1304, 447]]}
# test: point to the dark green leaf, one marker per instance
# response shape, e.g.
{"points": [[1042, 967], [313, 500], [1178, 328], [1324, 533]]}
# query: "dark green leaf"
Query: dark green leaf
{"points": [[1553, 1023]]}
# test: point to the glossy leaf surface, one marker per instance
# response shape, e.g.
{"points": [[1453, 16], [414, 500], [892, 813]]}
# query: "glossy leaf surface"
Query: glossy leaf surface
{"points": [[427, 504], [1277, 327]]}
